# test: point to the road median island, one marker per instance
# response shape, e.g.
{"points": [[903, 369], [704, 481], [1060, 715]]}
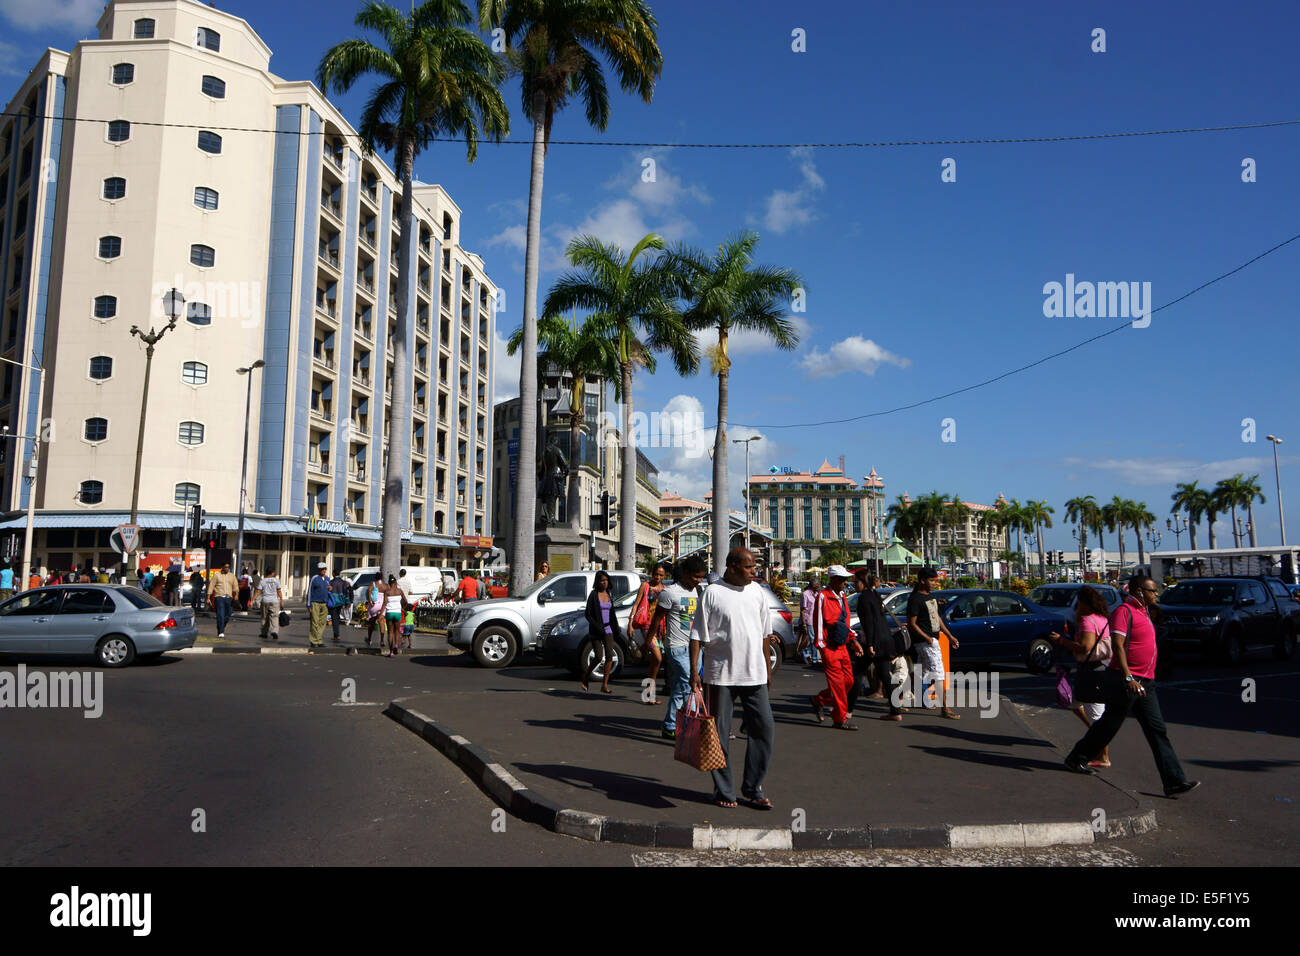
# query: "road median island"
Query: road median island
{"points": [[595, 767]]}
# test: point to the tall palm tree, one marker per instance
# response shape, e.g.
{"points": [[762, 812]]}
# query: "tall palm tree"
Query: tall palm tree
{"points": [[955, 513], [1039, 515], [992, 522], [1083, 510], [930, 510], [726, 293], [1112, 515], [585, 353], [437, 78], [1210, 507], [1015, 518], [556, 46], [1250, 488], [904, 519], [1187, 498], [1141, 518], [632, 304]]}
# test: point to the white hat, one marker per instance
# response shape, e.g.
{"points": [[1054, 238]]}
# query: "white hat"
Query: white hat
{"points": [[839, 571], [322, 565]]}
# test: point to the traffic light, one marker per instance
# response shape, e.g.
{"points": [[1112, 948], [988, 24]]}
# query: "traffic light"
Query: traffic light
{"points": [[1087, 557], [221, 536], [607, 502], [196, 522]]}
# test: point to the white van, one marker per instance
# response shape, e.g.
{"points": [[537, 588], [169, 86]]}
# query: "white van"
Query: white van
{"points": [[425, 581]]}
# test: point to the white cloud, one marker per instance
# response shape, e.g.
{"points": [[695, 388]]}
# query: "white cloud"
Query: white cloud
{"points": [[505, 370], [621, 222], [854, 354], [1171, 471], [665, 190], [36, 14], [509, 208], [748, 342], [787, 209], [516, 237]]}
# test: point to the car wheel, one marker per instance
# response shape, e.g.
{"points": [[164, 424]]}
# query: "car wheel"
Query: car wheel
{"points": [[1233, 646], [495, 647], [1284, 649], [115, 650], [1040, 656], [589, 651]]}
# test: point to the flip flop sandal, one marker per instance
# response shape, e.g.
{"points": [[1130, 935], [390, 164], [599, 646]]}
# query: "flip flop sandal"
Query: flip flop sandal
{"points": [[725, 804], [757, 800]]}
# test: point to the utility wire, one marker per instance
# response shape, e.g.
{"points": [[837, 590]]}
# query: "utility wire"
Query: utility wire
{"points": [[1022, 368], [626, 143]]}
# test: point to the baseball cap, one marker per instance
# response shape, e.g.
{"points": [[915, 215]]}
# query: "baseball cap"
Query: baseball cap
{"points": [[322, 565], [839, 571]]}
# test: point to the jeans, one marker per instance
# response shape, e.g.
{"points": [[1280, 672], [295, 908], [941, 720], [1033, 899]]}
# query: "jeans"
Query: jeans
{"points": [[679, 683], [223, 613], [1146, 708], [762, 736], [334, 618]]}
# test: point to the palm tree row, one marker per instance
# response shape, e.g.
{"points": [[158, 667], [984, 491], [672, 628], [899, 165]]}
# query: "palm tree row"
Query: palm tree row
{"points": [[1228, 494]]}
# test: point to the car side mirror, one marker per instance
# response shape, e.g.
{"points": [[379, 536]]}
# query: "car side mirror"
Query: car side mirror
{"points": [[547, 595], [1245, 602]]}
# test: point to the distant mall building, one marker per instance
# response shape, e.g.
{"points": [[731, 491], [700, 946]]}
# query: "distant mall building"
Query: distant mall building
{"points": [[283, 237]]}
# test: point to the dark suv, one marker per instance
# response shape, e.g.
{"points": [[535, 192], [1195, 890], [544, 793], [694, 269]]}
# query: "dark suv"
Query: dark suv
{"points": [[1226, 615]]}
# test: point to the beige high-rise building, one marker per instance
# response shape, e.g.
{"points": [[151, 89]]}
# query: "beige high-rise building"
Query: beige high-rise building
{"points": [[192, 167]]}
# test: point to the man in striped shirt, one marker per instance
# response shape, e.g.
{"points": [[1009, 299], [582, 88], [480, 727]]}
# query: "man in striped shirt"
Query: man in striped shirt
{"points": [[833, 638]]}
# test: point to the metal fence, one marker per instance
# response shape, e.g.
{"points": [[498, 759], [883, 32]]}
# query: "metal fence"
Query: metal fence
{"points": [[433, 618]]}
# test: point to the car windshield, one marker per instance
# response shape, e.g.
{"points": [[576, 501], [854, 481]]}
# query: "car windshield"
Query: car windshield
{"points": [[141, 599], [1200, 593], [1052, 597]]}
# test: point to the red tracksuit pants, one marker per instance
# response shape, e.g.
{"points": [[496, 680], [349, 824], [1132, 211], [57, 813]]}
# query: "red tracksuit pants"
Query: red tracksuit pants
{"points": [[839, 678]]}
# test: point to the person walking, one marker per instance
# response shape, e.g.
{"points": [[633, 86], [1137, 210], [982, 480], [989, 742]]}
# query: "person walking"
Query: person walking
{"points": [[272, 600], [34, 579], [543, 570], [807, 601], [394, 607], [643, 621], [674, 611], [602, 629], [222, 589], [1130, 688], [196, 592], [869, 670], [245, 588], [732, 629], [925, 625], [468, 589], [318, 606], [341, 593], [173, 586], [6, 583], [1093, 652], [832, 636], [374, 610]]}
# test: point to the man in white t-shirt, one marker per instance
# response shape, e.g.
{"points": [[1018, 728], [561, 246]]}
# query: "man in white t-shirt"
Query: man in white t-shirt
{"points": [[733, 626], [272, 601]]}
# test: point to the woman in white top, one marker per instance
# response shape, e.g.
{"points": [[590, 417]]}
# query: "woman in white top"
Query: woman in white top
{"points": [[394, 605]]}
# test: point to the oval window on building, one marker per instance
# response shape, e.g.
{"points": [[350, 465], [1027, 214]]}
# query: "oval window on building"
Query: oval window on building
{"points": [[91, 492], [205, 198], [123, 73], [101, 367], [105, 306], [209, 141], [191, 433], [119, 131], [187, 493], [201, 255], [110, 247], [214, 87], [96, 429], [194, 373], [198, 313], [114, 187]]}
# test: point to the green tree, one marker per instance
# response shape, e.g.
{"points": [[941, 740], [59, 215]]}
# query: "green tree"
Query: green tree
{"points": [[632, 304], [1114, 516], [556, 46], [1141, 518], [585, 353], [1190, 499], [436, 78], [901, 516], [1038, 514], [725, 293], [1082, 510], [1251, 490]]}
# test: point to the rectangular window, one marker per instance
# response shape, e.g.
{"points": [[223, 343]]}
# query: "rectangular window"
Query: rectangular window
{"points": [[143, 29], [123, 73], [205, 198], [119, 131], [114, 187]]}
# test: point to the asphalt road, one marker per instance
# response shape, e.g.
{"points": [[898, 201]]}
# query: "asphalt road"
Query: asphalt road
{"points": [[286, 774]]}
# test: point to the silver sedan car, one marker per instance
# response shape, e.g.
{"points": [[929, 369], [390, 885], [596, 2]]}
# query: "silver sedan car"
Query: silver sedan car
{"points": [[114, 624]]}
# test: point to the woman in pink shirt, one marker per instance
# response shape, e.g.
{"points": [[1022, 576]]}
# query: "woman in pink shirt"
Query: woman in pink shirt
{"points": [[1092, 650]]}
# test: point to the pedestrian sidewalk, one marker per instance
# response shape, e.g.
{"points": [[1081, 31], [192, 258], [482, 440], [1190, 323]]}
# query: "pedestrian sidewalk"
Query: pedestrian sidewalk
{"points": [[242, 637], [595, 766]]}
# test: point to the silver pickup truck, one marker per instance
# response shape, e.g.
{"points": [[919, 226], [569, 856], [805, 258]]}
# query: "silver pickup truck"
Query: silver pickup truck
{"points": [[498, 630]]}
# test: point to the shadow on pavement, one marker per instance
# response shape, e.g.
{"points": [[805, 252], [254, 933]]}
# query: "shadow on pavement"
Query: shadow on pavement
{"points": [[1005, 761], [649, 792]]}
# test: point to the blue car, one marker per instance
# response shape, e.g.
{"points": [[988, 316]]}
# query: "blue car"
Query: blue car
{"points": [[1000, 626]]}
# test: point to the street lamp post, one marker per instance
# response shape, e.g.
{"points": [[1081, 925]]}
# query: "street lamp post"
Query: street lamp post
{"points": [[745, 442], [1281, 519], [1177, 525], [31, 469], [243, 472], [173, 303]]}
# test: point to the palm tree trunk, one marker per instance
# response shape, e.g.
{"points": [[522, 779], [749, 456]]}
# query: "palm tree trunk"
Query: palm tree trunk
{"points": [[573, 500], [1083, 547], [627, 490], [521, 551], [1191, 533], [399, 408], [1236, 535], [721, 509], [1209, 522], [1142, 557], [1042, 563], [1250, 518], [1119, 530]]}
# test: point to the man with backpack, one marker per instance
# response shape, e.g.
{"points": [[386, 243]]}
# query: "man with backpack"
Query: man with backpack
{"points": [[342, 592]]}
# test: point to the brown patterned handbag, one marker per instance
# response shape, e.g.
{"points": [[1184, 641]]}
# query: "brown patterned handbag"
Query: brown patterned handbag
{"points": [[697, 736]]}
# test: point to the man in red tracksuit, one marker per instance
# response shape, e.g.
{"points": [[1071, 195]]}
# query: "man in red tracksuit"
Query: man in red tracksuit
{"points": [[832, 636]]}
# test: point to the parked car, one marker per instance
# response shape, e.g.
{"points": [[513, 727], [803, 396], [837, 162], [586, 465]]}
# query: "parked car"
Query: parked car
{"points": [[1062, 598], [1225, 616], [115, 624], [499, 630], [426, 582]]}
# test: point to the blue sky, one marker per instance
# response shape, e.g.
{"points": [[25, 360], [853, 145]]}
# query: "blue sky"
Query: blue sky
{"points": [[917, 286]]}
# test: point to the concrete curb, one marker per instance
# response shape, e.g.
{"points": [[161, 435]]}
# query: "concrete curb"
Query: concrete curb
{"points": [[531, 806], [348, 651]]}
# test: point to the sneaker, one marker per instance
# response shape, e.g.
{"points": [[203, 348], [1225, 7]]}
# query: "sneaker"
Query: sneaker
{"points": [[1187, 786], [1075, 765], [667, 734], [222, 634]]}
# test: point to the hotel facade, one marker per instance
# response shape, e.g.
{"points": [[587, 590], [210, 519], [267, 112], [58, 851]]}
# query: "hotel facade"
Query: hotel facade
{"points": [[190, 166]]}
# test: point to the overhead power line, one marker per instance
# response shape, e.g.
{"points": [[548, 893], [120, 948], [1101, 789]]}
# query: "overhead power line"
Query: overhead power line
{"points": [[880, 144], [1022, 368]]}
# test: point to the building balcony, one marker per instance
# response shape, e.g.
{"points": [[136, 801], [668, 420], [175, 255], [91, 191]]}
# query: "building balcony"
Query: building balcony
{"points": [[320, 466], [361, 381], [327, 307], [358, 475], [323, 412], [366, 285], [334, 208], [324, 360], [328, 256], [368, 241]]}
